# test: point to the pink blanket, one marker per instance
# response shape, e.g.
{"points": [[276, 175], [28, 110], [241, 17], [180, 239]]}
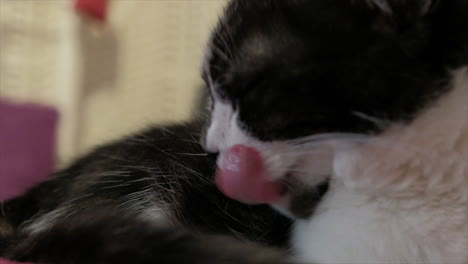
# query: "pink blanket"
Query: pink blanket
{"points": [[27, 147], [9, 262]]}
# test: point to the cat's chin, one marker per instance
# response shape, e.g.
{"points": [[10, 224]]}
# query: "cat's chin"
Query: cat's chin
{"points": [[298, 200], [246, 174]]}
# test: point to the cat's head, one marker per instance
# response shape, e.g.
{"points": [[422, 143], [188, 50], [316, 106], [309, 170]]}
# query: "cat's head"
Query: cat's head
{"points": [[291, 80]]}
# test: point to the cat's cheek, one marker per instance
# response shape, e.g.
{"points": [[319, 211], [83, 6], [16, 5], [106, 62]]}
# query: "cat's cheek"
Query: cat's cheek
{"points": [[224, 132]]}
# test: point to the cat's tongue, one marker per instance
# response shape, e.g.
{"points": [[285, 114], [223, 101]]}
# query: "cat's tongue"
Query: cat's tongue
{"points": [[242, 175]]}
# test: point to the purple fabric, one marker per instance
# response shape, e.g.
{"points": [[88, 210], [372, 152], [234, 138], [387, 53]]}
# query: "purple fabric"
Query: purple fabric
{"points": [[8, 262], [27, 146]]}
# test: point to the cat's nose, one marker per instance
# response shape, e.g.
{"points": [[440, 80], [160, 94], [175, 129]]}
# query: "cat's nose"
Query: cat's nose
{"points": [[209, 148], [208, 145]]}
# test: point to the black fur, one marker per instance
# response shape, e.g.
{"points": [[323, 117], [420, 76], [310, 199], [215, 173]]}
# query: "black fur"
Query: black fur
{"points": [[297, 67], [166, 161], [292, 68], [110, 235]]}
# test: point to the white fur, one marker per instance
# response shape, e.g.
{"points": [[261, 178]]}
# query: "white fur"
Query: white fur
{"points": [[387, 9], [223, 131], [154, 214], [400, 198], [382, 5], [45, 221], [158, 213]]}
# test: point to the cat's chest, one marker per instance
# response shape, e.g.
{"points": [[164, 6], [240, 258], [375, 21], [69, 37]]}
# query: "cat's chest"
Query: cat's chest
{"points": [[353, 228]]}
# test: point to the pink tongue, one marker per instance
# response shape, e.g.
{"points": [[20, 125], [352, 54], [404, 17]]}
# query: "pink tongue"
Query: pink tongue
{"points": [[242, 176]]}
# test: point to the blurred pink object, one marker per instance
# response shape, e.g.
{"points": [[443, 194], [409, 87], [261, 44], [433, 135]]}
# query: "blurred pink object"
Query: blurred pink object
{"points": [[9, 262], [27, 146], [94, 8]]}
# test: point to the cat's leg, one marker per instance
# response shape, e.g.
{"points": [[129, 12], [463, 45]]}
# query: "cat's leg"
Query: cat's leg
{"points": [[6, 234], [110, 235]]}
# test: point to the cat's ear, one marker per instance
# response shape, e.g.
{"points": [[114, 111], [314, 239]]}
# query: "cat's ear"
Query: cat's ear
{"points": [[415, 8]]}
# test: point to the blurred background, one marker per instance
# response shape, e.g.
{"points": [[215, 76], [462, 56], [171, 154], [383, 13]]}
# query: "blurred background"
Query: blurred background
{"points": [[108, 76], [78, 73]]}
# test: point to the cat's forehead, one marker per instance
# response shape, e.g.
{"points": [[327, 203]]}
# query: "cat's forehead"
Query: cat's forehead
{"points": [[256, 34], [295, 67]]}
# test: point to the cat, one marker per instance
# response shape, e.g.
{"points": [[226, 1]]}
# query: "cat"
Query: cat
{"points": [[347, 116], [148, 197], [364, 102]]}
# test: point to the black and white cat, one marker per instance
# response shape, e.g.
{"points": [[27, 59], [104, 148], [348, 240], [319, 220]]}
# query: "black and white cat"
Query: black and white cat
{"points": [[349, 116], [370, 97]]}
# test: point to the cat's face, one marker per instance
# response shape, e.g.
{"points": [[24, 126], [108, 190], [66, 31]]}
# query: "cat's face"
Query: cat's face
{"points": [[290, 78]]}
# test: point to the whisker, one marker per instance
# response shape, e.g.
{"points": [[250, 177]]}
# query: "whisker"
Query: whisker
{"points": [[221, 54], [296, 152], [224, 41], [380, 123], [324, 137], [193, 154], [116, 186]]}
